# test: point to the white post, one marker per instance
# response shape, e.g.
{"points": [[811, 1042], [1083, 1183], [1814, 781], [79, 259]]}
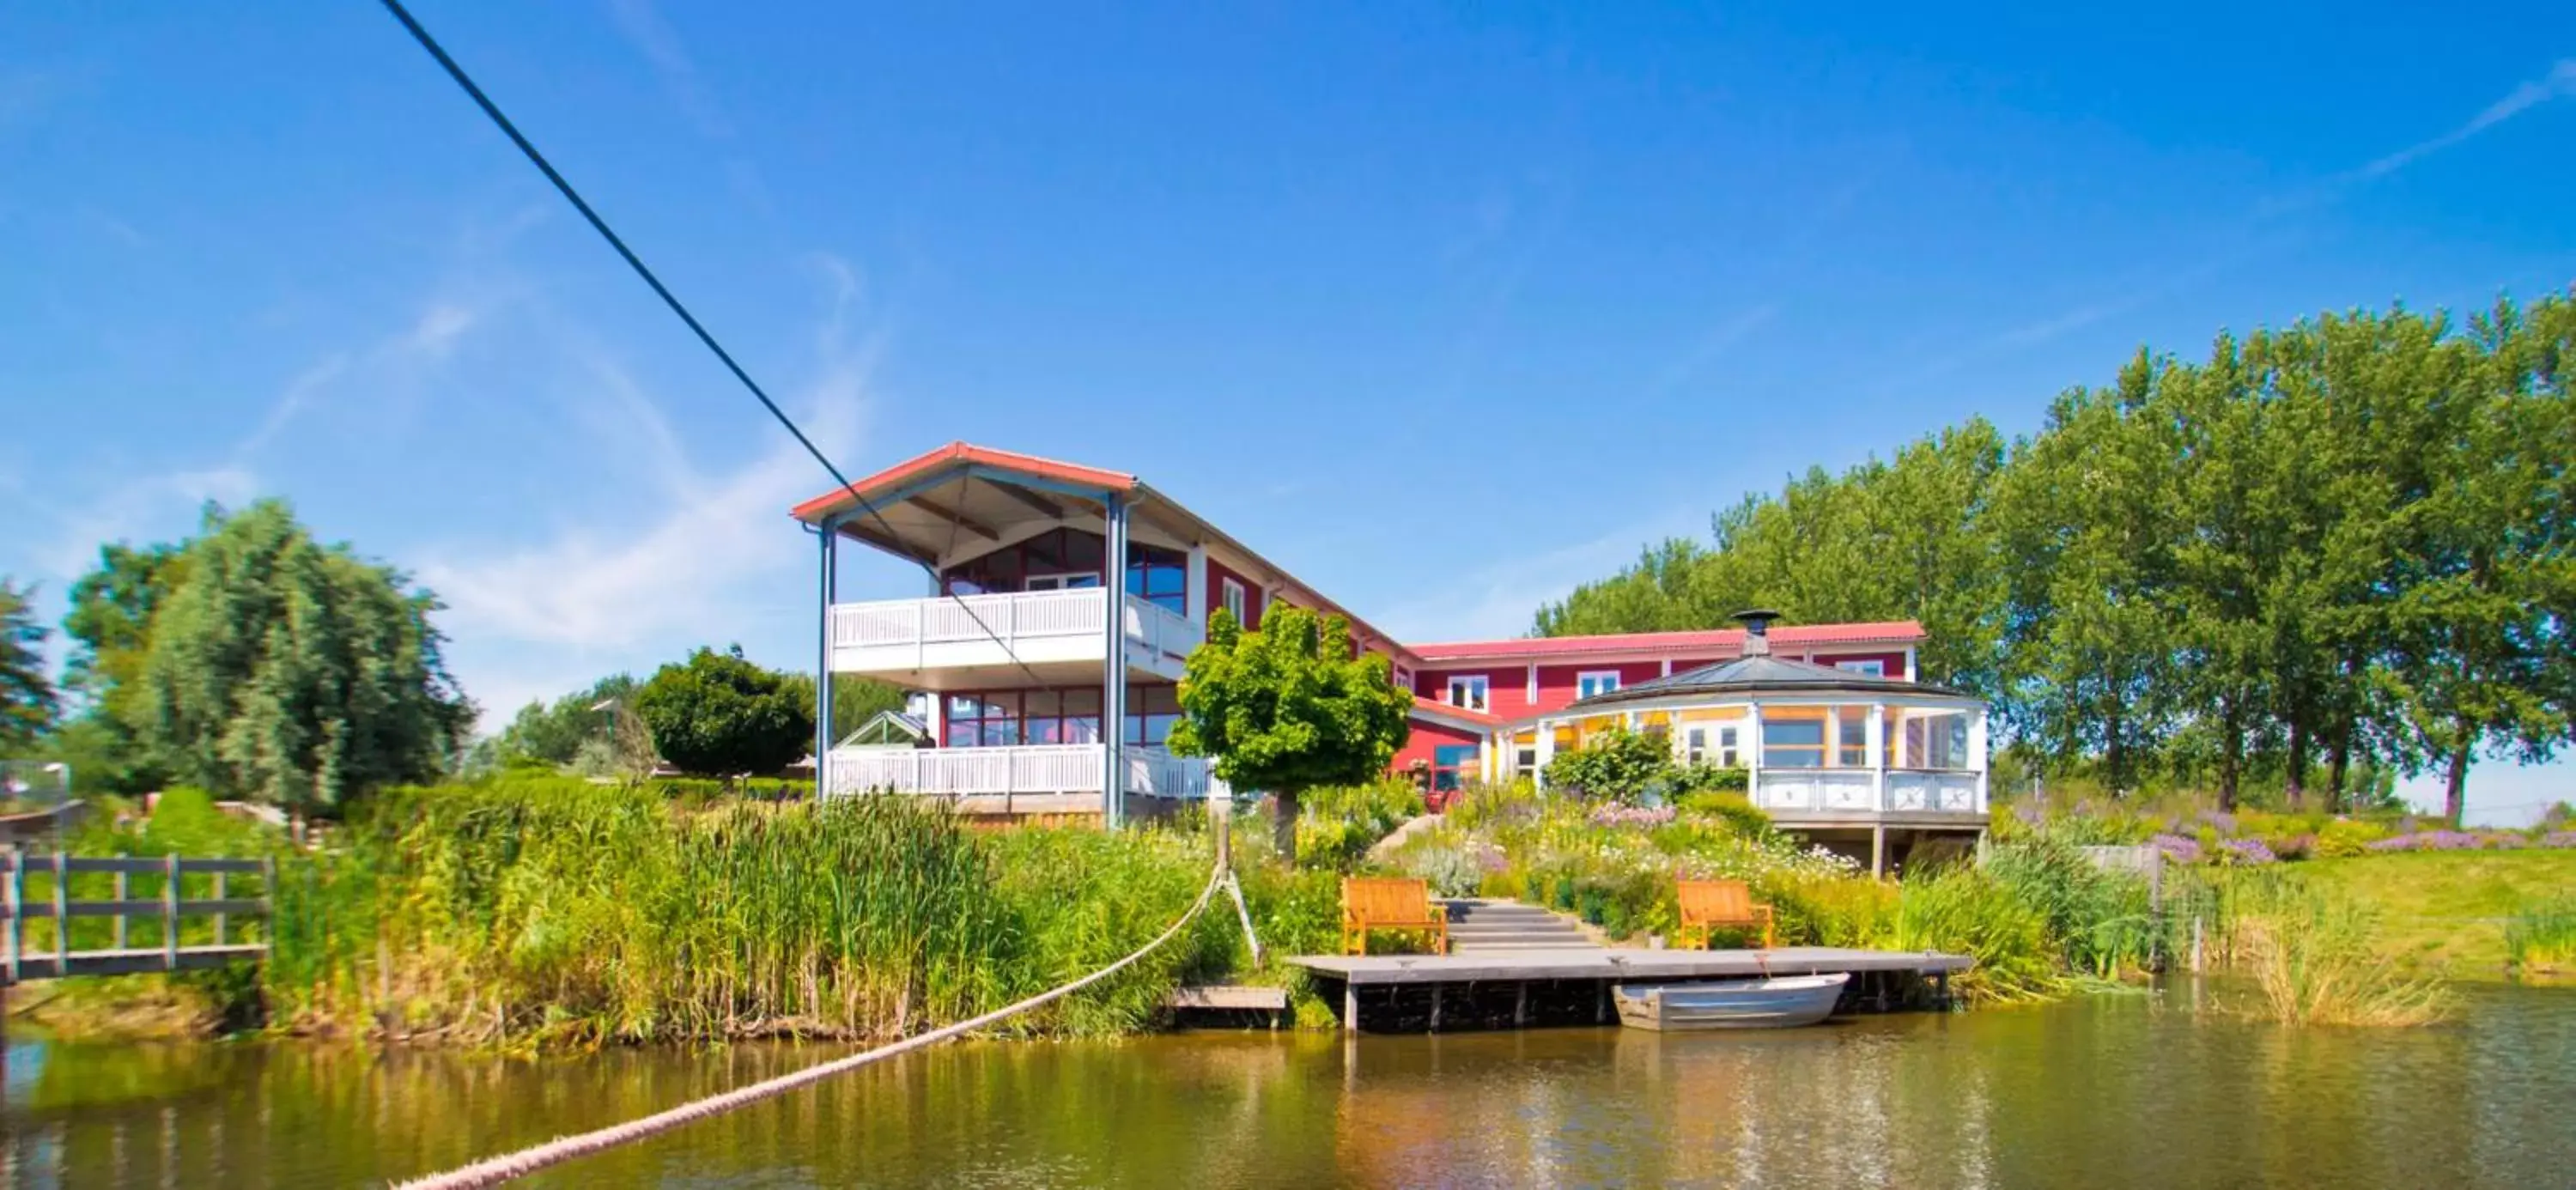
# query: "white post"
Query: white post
{"points": [[1195, 582], [1113, 664], [1875, 739], [1546, 752], [1902, 759], [1485, 758], [1753, 752], [1977, 752], [1833, 737], [826, 590], [1532, 693]]}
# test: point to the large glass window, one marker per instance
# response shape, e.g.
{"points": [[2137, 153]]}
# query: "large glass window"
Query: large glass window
{"points": [[1936, 740], [1449, 762], [1711, 743], [1471, 691], [1159, 576], [1048, 561], [1793, 743], [1061, 717], [1151, 712], [983, 720], [1851, 745]]}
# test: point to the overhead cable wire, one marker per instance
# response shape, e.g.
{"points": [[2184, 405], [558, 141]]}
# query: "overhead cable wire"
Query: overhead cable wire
{"points": [[636, 263]]}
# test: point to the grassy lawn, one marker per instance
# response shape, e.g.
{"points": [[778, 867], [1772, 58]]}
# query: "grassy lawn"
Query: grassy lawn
{"points": [[2447, 909]]}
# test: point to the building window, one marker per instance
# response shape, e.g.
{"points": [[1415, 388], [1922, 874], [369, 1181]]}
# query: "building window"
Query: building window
{"points": [[1873, 667], [1703, 744], [1403, 678], [1470, 691], [1151, 712], [1062, 582], [1793, 743], [1851, 749], [1230, 594], [1060, 717], [1595, 681], [1525, 759], [1160, 577], [1449, 763]]}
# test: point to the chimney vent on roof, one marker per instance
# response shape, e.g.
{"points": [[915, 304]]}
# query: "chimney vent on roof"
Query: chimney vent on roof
{"points": [[1757, 630]]}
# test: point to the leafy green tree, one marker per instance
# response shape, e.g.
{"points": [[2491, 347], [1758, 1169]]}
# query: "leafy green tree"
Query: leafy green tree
{"points": [[721, 715], [1288, 708], [552, 735], [855, 699], [27, 699], [293, 673], [109, 630], [1616, 765]]}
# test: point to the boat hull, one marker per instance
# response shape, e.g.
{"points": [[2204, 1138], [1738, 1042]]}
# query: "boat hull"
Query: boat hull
{"points": [[1749, 1004]]}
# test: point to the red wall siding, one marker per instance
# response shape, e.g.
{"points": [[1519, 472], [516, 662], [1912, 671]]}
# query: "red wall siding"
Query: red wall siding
{"points": [[1507, 687], [1427, 736], [1217, 574], [1894, 662], [1556, 682]]}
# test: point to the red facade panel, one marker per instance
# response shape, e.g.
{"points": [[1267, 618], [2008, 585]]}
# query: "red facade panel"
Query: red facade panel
{"points": [[1506, 686], [1217, 577], [1428, 737], [1557, 684], [1892, 664]]}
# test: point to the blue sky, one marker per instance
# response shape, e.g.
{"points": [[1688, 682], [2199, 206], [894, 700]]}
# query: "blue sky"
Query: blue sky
{"points": [[1445, 309]]}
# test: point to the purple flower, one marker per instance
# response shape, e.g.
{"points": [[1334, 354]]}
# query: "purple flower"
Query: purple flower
{"points": [[2559, 839], [2430, 841], [2029, 813], [2246, 851], [2181, 849], [2223, 822], [1618, 815]]}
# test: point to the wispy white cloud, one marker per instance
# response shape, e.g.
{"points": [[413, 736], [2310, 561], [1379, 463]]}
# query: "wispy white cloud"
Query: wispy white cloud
{"points": [[2559, 83], [133, 510], [704, 554], [402, 358], [641, 23], [1712, 344]]}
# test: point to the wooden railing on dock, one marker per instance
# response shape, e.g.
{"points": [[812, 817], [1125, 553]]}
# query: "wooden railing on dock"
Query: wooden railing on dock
{"points": [[164, 902]]}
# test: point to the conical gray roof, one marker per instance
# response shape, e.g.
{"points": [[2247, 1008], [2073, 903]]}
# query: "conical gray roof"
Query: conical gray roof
{"points": [[1758, 674]]}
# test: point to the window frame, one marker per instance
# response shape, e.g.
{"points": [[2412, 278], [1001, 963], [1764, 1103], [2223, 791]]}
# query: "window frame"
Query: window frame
{"points": [[1231, 596], [1593, 677], [1481, 684], [1868, 667]]}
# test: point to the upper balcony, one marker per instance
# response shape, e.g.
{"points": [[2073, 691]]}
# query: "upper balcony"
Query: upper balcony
{"points": [[974, 642]]}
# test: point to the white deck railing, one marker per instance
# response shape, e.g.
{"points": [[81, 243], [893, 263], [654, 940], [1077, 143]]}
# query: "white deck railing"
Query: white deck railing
{"points": [[993, 629], [1861, 791], [1028, 769]]}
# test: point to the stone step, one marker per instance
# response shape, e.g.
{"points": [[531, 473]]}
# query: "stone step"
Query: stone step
{"points": [[1462, 945], [1521, 938]]}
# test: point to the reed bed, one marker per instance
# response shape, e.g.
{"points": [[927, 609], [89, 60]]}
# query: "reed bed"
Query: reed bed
{"points": [[2540, 938]]}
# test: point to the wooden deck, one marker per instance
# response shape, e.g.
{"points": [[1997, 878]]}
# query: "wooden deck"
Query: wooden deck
{"points": [[1621, 966], [1519, 989]]}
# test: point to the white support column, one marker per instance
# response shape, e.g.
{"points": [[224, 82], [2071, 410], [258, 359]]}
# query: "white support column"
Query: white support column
{"points": [[1195, 582], [1911, 674], [1833, 737], [1977, 752], [1546, 752], [825, 590], [1113, 666], [1753, 752], [1903, 761], [1876, 742], [1485, 758], [1668, 667], [1533, 685], [937, 718]]}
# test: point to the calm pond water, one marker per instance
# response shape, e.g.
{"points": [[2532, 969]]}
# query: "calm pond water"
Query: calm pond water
{"points": [[2104, 1091]]}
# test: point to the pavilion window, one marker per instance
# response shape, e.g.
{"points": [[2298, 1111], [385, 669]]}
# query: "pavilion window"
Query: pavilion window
{"points": [[1936, 740], [1851, 748], [983, 720], [1793, 743]]}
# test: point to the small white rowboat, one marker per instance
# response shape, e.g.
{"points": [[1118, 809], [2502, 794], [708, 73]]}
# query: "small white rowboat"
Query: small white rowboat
{"points": [[1748, 1004]]}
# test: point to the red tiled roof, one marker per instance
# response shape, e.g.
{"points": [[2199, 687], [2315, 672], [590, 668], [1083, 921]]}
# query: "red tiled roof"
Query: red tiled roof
{"points": [[1722, 639], [1440, 710], [965, 452]]}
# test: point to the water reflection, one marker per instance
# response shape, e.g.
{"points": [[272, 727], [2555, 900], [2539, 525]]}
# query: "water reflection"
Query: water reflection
{"points": [[2109, 1091]]}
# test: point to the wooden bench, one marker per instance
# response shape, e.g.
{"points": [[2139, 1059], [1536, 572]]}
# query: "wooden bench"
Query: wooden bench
{"points": [[1718, 904], [1387, 903]]}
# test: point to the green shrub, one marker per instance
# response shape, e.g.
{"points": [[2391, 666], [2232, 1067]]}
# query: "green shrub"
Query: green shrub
{"points": [[2541, 936], [1615, 765], [1962, 910], [2345, 838], [1734, 809]]}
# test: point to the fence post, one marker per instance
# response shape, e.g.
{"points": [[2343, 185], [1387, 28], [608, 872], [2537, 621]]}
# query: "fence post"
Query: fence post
{"points": [[124, 886], [220, 916], [16, 891], [267, 904], [170, 911], [62, 917], [2195, 944]]}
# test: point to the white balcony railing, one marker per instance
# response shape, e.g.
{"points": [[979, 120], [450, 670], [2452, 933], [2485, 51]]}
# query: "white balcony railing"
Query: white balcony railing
{"points": [[1838, 791], [1029, 769], [1026, 627]]}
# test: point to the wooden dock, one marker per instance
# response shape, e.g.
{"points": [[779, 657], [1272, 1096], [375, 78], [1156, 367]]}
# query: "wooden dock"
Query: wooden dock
{"points": [[1522, 987], [167, 879]]}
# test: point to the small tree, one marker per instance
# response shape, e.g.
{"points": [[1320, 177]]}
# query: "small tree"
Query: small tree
{"points": [[1616, 765], [1288, 708], [720, 714], [27, 700]]}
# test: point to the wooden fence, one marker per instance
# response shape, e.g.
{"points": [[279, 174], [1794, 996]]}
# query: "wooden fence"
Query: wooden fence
{"points": [[150, 889]]}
